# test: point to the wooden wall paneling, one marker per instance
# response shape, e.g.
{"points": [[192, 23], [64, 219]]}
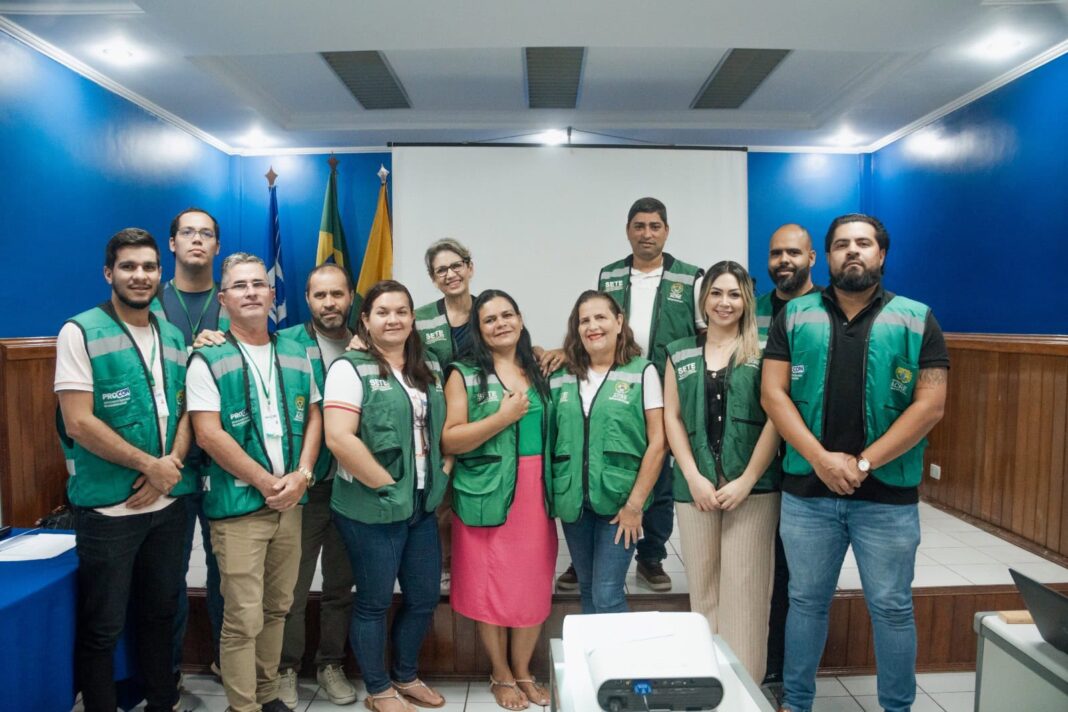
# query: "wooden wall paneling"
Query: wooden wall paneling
{"points": [[32, 472], [1045, 454], [1058, 428]]}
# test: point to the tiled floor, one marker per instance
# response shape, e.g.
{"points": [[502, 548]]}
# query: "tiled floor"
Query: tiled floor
{"points": [[952, 553], [937, 692]]}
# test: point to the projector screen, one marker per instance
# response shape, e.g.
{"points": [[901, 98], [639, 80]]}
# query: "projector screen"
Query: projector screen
{"points": [[541, 221]]}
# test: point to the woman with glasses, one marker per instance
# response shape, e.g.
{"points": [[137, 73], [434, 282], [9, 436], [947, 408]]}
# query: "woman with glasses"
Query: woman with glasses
{"points": [[503, 539], [726, 470], [443, 324], [384, 410]]}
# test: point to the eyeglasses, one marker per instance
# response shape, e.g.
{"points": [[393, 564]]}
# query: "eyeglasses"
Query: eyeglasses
{"points": [[454, 267], [205, 232], [256, 285]]}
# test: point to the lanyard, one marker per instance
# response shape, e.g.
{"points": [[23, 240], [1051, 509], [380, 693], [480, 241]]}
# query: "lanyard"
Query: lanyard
{"points": [[152, 360], [193, 328], [265, 385]]}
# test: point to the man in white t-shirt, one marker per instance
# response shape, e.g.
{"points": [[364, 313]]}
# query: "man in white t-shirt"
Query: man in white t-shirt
{"points": [[325, 336], [120, 376], [657, 293], [254, 408]]}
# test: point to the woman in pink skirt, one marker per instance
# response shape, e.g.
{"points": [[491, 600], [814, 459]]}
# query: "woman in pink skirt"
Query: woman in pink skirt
{"points": [[503, 541]]}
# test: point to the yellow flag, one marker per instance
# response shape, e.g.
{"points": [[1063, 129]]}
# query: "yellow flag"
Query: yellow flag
{"points": [[378, 259]]}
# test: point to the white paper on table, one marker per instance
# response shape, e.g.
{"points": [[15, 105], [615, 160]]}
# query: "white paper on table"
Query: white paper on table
{"points": [[36, 546]]}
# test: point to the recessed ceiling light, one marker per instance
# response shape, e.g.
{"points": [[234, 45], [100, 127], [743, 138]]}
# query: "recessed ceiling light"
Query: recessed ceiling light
{"points": [[255, 138], [120, 52], [552, 137], [846, 137], [1000, 45]]}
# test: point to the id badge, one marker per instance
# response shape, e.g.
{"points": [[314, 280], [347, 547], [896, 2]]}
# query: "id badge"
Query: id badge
{"points": [[272, 424], [161, 401]]}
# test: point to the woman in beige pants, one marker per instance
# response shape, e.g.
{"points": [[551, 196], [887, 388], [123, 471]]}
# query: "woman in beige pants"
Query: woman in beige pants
{"points": [[726, 470]]}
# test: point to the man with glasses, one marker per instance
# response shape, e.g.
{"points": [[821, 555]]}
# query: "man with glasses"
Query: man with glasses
{"points": [[188, 301], [254, 407]]}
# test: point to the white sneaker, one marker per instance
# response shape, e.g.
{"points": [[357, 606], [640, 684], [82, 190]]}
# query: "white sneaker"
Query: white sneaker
{"points": [[336, 686], [287, 687]]}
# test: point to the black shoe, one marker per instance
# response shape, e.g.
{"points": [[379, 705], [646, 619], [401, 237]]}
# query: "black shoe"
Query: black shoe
{"points": [[568, 581], [651, 575], [275, 705]]}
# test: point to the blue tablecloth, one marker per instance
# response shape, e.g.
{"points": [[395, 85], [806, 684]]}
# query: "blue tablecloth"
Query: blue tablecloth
{"points": [[37, 616]]}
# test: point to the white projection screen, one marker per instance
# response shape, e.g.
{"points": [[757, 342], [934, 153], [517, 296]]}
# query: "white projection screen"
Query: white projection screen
{"points": [[541, 221]]}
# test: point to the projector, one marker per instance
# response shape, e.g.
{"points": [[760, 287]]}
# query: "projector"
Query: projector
{"points": [[641, 661]]}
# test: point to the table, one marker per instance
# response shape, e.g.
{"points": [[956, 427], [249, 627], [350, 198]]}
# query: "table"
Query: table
{"points": [[37, 621], [1016, 669], [740, 693]]}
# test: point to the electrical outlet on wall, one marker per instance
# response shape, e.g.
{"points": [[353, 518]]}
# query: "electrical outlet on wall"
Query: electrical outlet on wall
{"points": [[936, 471]]}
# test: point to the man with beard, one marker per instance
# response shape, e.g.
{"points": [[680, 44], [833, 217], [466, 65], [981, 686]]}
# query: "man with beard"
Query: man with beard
{"points": [[120, 379], [329, 295], [254, 407], [790, 260], [854, 378]]}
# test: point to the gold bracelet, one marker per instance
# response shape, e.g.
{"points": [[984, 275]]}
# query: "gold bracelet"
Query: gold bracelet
{"points": [[636, 510]]}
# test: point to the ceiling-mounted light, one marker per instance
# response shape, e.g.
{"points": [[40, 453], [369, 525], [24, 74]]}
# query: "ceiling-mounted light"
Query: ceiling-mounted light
{"points": [[552, 137], [846, 137], [1000, 45], [255, 139], [120, 52]]}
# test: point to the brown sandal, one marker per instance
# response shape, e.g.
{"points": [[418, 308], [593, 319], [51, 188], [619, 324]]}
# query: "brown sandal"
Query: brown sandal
{"points": [[533, 682], [404, 687], [513, 686], [371, 701]]}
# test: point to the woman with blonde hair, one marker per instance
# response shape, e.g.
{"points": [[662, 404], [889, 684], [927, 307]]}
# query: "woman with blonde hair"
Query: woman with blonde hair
{"points": [[726, 467]]}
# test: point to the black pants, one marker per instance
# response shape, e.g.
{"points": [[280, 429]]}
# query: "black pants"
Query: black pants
{"points": [[780, 605], [135, 563]]}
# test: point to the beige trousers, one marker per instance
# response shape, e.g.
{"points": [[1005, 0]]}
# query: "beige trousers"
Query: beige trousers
{"points": [[730, 562], [259, 557]]}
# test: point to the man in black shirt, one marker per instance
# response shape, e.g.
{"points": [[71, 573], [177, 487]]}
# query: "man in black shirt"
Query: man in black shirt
{"points": [[190, 302], [854, 379], [790, 260]]}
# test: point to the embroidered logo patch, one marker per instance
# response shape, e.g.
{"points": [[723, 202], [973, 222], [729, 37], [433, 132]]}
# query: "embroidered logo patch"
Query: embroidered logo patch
{"points": [[621, 392], [434, 337], [675, 293], [380, 384], [613, 285], [114, 399], [488, 397], [299, 402], [902, 378], [179, 397], [686, 369], [797, 372], [240, 418], [564, 397]]}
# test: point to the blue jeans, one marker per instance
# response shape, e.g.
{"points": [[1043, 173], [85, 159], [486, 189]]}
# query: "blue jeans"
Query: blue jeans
{"points": [[381, 554], [194, 509], [815, 533], [123, 562], [600, 564], [658, 520]]}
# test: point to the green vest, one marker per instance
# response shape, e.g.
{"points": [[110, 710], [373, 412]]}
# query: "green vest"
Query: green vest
{"points": [[596, 458], [432, 323], [763, 317], [228, 496], [741, 430], [483, 480], [890, 371], [123, 399], [304, 334], [673, 314], [386, 429]]}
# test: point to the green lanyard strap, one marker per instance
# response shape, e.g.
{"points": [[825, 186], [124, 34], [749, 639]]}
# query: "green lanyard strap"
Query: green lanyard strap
{"points": [[193, 328], [265, 385]]}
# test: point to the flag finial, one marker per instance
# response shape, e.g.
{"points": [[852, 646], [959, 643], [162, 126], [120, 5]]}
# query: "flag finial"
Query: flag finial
{"points": [[333, 162], [383, 173], [270, 175]]}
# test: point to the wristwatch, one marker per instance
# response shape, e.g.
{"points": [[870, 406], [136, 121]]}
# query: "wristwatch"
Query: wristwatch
{"points": [[309, 478], [863, 465]]}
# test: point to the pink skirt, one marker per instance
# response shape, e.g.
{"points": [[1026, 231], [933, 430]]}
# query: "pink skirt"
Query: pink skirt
{"points": [[504, 575]]}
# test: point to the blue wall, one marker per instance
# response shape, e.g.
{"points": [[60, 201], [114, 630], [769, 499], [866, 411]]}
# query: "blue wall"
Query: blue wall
{"points": [[81, 163], [807, 188], [977, 209]]}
